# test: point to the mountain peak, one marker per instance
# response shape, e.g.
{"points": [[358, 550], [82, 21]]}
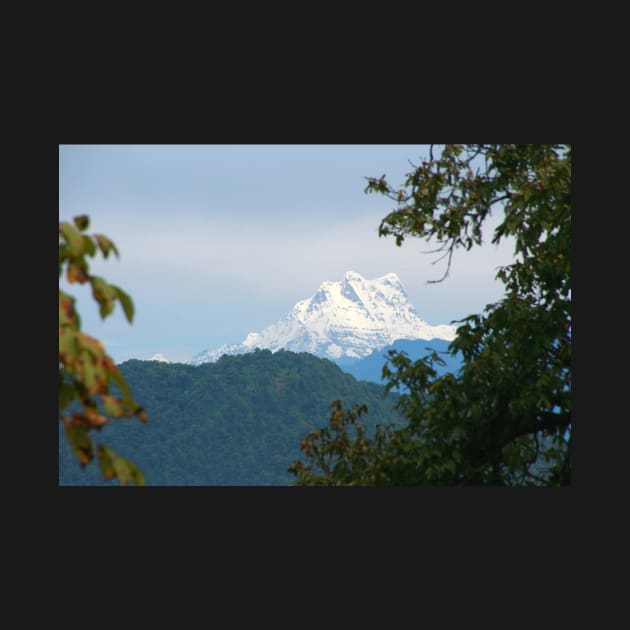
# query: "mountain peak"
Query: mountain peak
{"points": [[390, 277], [346, 319], [353, 275]]}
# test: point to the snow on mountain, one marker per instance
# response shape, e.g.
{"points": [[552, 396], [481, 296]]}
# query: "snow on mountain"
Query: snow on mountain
{"points": [[347, 319], [159, 357]]}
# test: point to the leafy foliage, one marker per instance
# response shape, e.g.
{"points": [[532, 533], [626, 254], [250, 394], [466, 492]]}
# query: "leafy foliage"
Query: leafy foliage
{"points": [[505, 417], [86, 372], [339, 458], [234, 422]]}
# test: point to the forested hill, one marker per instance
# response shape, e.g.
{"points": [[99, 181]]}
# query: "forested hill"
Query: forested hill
{"points": [[238, 421]]}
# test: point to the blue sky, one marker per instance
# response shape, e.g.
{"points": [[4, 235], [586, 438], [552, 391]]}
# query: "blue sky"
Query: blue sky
{"points": [[217, 241]]}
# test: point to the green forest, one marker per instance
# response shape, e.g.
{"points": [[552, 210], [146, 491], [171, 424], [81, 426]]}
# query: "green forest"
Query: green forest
{"points": [[238, 421]]}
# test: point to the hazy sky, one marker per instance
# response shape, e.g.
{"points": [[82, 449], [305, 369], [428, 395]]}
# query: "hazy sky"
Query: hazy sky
{"points": [[217, 241]]}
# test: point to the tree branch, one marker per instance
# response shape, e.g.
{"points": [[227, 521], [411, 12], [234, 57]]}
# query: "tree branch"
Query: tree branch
{"points": [[448, 266], [535, 477], [548, 422]]}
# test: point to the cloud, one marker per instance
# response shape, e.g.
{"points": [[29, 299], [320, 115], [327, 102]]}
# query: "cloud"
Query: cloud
{"points": [[279, 260]]}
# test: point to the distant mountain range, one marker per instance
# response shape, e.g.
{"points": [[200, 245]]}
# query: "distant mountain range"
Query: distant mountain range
{"points": [[344, 321], [371, 367]]}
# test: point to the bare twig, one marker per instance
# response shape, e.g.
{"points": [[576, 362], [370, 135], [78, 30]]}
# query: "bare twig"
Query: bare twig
{"points": [[449, 252], [448, 267], [477, 152], [440, 249]]}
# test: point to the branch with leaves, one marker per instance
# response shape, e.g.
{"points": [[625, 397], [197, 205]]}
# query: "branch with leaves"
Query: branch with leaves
{"points": [[509, 406], [92, 389]]}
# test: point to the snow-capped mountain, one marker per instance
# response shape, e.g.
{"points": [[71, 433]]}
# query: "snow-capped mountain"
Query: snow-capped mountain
{"points": [[159, 357], [348, 319]]}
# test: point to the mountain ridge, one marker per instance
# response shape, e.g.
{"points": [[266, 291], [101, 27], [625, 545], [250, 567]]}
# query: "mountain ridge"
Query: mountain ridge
{"points": [[348, 319]]}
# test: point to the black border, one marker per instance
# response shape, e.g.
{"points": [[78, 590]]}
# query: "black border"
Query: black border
{"points": [[429, 521]]}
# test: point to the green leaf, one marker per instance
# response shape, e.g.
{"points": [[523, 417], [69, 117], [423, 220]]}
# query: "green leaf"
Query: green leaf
{"points": [[113, 465], [106, 308], [66, 395], [80, 442], [89, 246], [104, 294], [115, 375], [73, 238], [111, 405], [105, 462], [134, 473], [126, 303], [89, 374], [106, 245], [101, 289], [82, 222], [93, 346], [68, 344]]}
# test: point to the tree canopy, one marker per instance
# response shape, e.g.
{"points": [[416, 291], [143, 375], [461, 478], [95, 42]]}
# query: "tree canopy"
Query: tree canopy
{"points": [[504, 418], [88, 377]]}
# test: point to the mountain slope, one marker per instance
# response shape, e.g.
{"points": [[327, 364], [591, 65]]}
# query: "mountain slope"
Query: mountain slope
{"points": [[238, 421], [342, 320]]}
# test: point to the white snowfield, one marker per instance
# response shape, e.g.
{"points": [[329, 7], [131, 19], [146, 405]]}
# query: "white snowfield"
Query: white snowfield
{"points": [[159, 357], [347, 319]]}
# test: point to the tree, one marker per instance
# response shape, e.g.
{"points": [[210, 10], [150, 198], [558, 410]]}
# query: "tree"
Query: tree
{"points": [[343, 454], [505, 417], [88, 377]]}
